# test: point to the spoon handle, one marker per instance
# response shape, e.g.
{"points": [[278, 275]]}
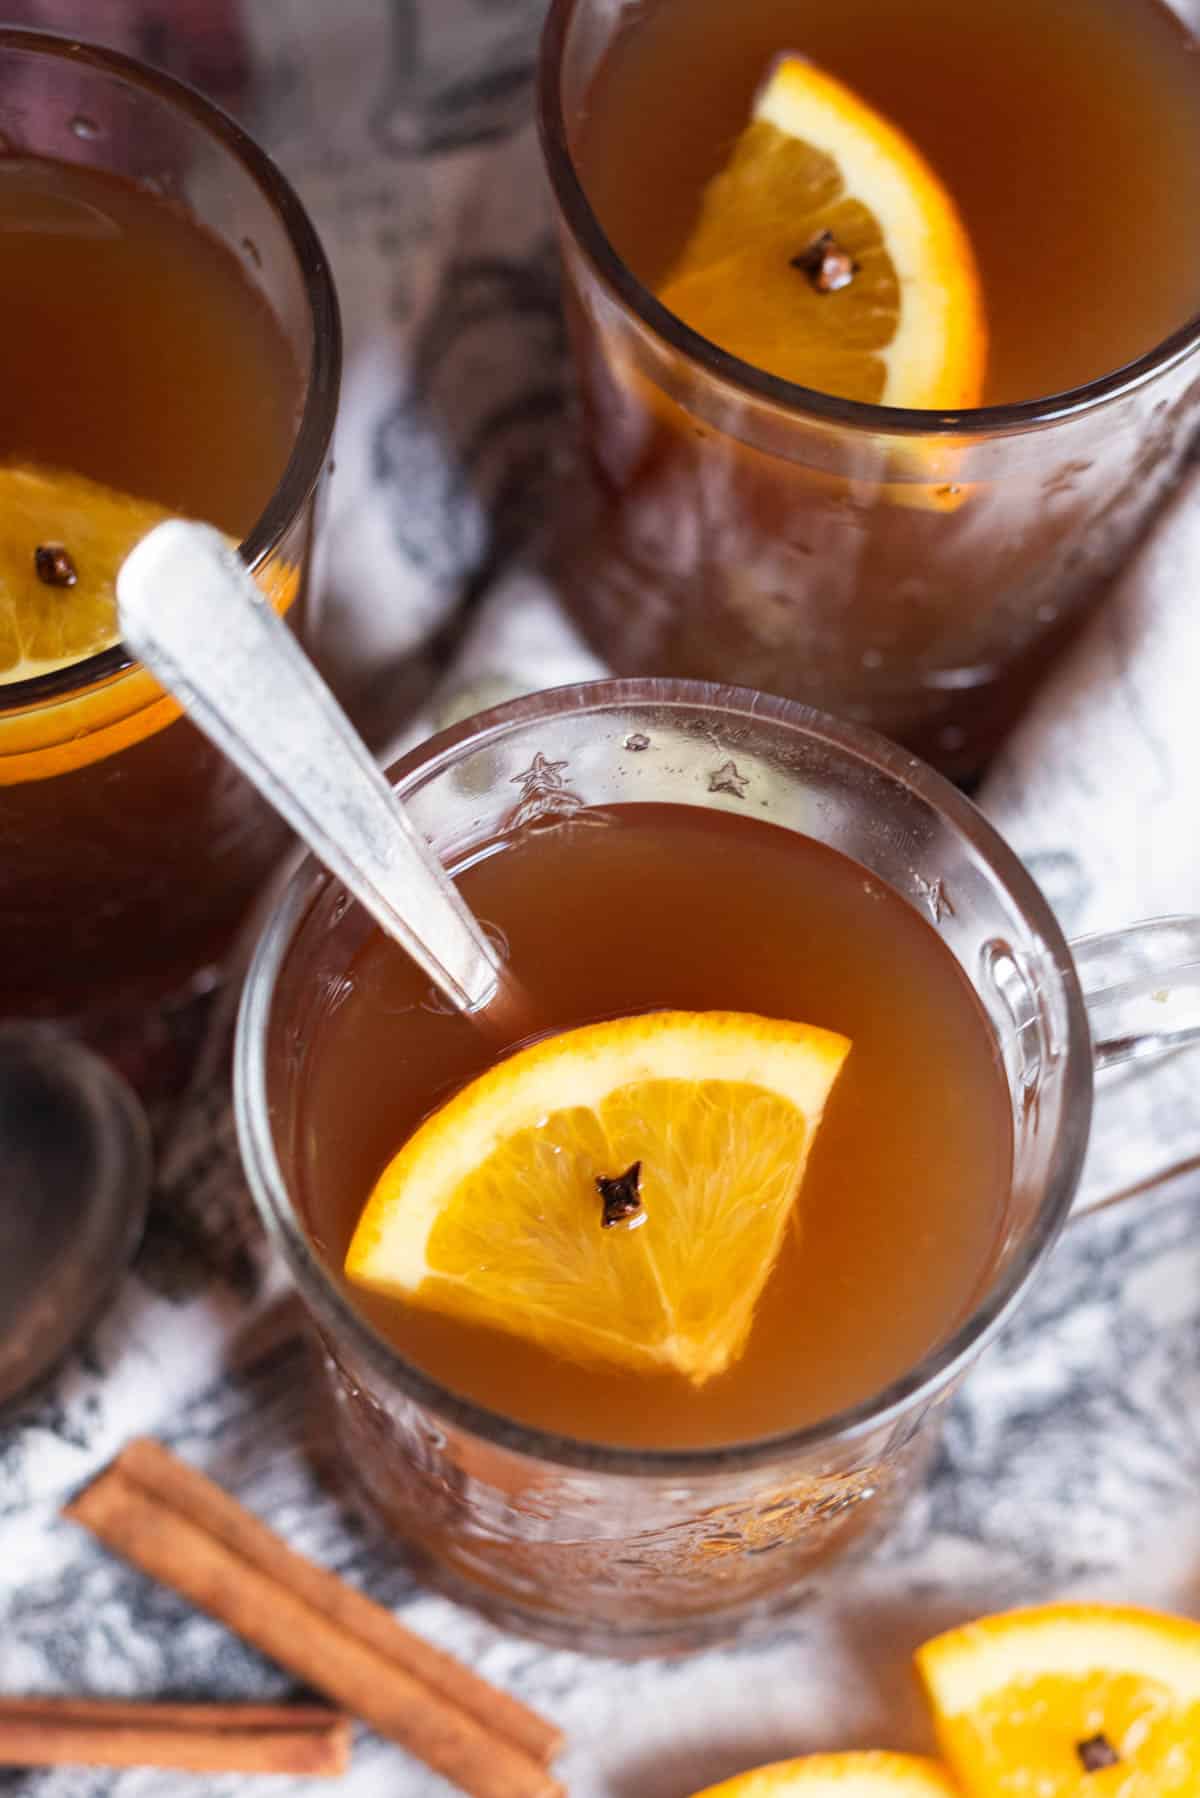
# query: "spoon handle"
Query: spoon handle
{"points": [[189, 609]]}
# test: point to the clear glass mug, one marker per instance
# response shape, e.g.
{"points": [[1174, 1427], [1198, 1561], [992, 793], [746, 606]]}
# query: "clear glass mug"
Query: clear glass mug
{"points": [[623, 1551], [913, 571], [130, 849]]}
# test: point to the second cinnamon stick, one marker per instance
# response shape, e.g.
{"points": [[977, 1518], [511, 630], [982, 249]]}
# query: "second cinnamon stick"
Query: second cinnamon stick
{"points": [[303, 1740], [269, 1613], [185, 1488]]}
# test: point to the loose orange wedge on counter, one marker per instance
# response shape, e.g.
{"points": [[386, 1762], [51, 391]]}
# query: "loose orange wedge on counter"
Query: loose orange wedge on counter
{"points": [[829, 253], [852, 1775], [1069, 1701], [688, 1130]]}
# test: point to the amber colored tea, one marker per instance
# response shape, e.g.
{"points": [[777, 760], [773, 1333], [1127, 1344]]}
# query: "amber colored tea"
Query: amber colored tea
{"points": [[138, 352], [660, 906], [140, 355], [1067, 135], [917, 579]]}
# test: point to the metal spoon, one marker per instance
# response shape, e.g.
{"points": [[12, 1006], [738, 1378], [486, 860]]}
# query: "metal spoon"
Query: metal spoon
{"points": [[190, 610]]}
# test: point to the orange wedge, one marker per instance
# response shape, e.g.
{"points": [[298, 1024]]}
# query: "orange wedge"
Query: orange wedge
{"points": [[68, 611], [829, 253], [1069, 1701], [851, 1775], [617, 1192], [83, 532]]}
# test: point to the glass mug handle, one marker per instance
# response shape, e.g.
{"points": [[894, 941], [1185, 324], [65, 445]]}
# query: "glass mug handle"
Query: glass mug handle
{"points": [[1141, 987]]}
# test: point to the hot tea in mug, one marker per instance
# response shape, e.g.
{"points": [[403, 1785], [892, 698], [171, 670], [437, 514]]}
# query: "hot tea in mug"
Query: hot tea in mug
{"points": [[634, 1316]]}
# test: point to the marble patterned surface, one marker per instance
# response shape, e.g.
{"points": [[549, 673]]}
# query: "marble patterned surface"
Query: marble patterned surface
{"points": [[1070, 1462]]}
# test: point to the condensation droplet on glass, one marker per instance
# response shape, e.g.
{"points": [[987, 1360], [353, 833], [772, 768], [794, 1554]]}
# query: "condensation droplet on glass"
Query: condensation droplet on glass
{"points": [[252, 252], [84, 127]]}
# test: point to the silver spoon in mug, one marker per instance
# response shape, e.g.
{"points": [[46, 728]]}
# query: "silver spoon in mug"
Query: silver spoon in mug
{"points": [[190, 610], [75, 1162]]}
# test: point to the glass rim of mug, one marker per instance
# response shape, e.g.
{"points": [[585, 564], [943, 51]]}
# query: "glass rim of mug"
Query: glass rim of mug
{"points": [[322, 378], [851, 743], [965, 424]]}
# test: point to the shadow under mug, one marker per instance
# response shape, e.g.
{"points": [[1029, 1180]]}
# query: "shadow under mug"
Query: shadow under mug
{"points": [[621, 1550]]}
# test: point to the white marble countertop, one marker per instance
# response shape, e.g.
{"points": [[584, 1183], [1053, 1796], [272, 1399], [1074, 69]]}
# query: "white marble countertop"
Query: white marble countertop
{"points": [[1070, 1463]]}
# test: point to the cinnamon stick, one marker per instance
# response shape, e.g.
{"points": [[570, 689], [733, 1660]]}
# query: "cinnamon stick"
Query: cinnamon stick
{"points": [[304, 1740], [181, 1529], [163, 1474]]}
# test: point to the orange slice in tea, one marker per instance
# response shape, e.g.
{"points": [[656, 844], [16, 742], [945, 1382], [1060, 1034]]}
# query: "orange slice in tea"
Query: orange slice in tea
{"points": [[861, 1774], [829, 253], [1069, 1701], [62, 540], [618, 1192]]}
